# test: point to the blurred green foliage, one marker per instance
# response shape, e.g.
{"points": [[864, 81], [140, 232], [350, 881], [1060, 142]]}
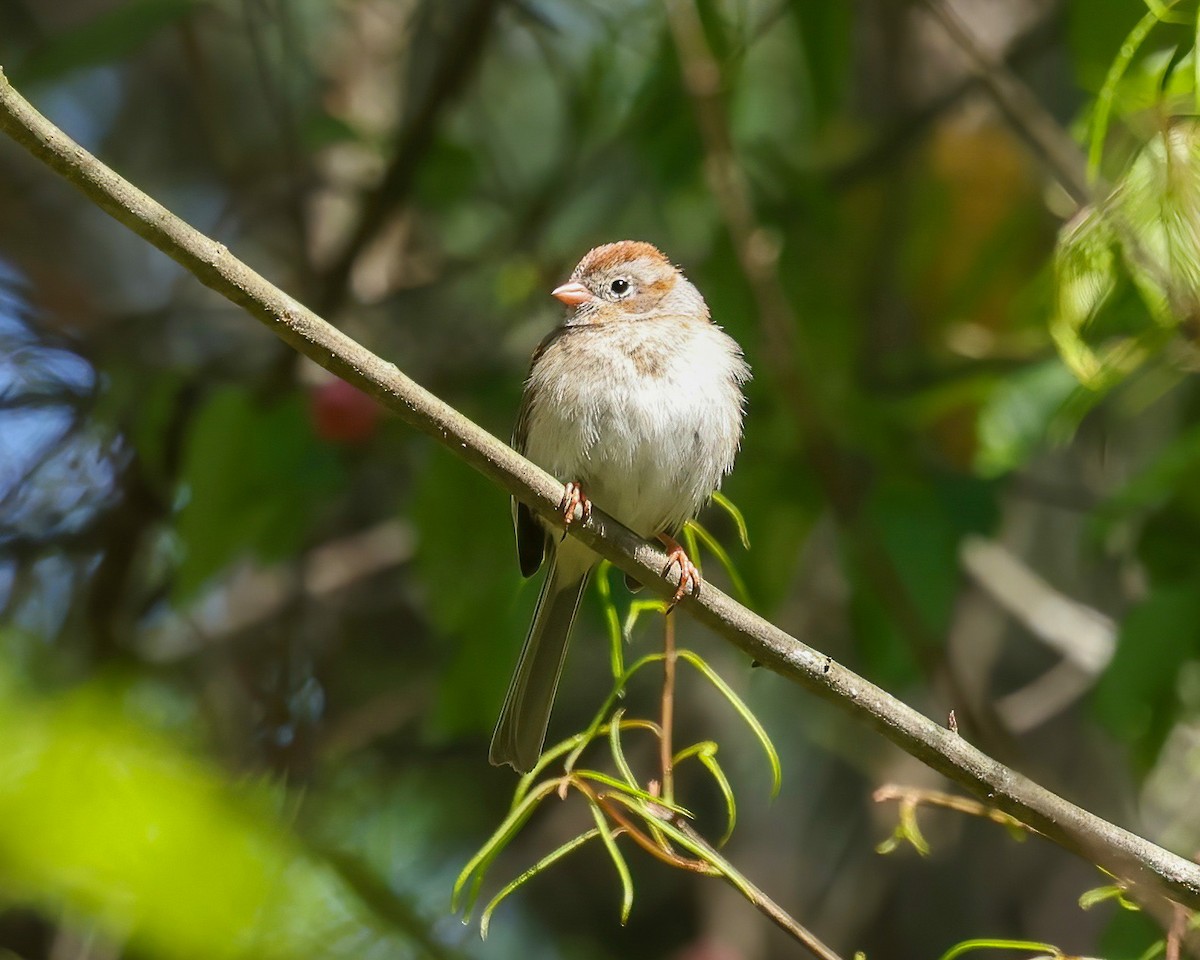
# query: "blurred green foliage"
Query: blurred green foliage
{"points": [[105, 819], [255, 632]]}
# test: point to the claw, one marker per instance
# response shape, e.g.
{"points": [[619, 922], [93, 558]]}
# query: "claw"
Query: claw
{"points": [[574, 506], [689, 574]]}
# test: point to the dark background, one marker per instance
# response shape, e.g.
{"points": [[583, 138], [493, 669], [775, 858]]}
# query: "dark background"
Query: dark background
{"points": [[254, 631]]}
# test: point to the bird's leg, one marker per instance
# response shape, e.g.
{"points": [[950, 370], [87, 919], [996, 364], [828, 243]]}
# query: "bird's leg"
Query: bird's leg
{"points": [[574, 505], [689, 573]]}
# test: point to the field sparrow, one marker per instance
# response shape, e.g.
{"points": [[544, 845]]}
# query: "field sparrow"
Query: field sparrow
{"points": [[635, 401]]}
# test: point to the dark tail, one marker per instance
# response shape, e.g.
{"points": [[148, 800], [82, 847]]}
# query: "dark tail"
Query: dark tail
{"points": [[521, 730]]}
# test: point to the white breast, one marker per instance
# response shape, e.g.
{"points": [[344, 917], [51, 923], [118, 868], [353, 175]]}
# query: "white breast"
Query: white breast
{"points": [[647, 417]]}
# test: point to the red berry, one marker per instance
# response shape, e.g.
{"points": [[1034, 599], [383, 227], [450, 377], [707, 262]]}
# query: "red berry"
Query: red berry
{"points": [[343, 414]]}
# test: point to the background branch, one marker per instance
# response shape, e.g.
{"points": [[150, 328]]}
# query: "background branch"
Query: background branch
{"points": [[1139, 862]]}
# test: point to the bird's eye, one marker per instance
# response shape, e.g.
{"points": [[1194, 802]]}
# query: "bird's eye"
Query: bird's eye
{"points": [[619, 287]]}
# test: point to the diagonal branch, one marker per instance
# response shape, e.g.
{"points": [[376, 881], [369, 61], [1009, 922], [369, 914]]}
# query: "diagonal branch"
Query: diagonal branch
{"points": [[1044, 135], [1140, 863]]}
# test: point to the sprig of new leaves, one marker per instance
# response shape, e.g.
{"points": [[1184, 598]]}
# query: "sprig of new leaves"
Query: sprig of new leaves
{"points": [[621, 803]]}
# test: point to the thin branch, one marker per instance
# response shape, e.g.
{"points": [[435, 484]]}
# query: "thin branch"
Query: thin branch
{"points": [[1032, 121], [1054, 147], [668, 708], [763, 903], [917, 796], [457, 61], [1135, 860], [901, 134]]}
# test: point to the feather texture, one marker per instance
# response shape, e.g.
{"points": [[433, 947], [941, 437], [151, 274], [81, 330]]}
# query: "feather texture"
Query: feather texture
{"points": [[637, 398]]}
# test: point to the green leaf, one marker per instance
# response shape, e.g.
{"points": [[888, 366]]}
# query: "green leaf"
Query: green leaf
{"points": [[106, 821], [1021, 415], [1133, 42], [477, 867], [112, 35], [731, 508], [907, 831], [744, 712], [1128, 270], [698, 849], [691, 546], [694, 528], [706, 753], [614, 741], [485, 919], [610, 844], [632, 790], [988, 943], [1097, 895], [612, 620], [597, 725], [636, 609]]}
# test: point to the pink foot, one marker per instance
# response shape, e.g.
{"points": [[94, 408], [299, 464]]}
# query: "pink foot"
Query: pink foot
{"points": [[574, 499], [689, 574]]}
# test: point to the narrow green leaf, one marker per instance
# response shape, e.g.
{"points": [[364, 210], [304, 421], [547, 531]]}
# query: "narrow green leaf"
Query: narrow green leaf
{"points": [[744, 712], [610, 842], [636, 793], [990, 944], [1196, 62], [1089, 898], [706, 753], [703, 852], [614, 741], [577, 742], [1114, 891], [910, 830], [1164, 13], [612, 620], [551, 858], [692, 547], [598, 719], [884, 847], [731, 508], [718, 551], [1154, 950], [1104, 101], [637, 608], [478, 865]]}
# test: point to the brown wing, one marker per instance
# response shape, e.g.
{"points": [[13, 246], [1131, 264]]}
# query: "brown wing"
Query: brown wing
{"points": [[531, 535]]}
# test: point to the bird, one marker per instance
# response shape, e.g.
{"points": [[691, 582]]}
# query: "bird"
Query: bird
{"points": [[635, 401]]}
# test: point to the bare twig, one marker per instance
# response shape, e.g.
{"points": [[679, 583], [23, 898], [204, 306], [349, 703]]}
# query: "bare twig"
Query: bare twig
{"points": [[947, 801], [1033, 122], [457, 61], [1057, 152], [668, 708], [1135, 860], [712, 864], [764, 904], [904, 132], [1176, 933]]}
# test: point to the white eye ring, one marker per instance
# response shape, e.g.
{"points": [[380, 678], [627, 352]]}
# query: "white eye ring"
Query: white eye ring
{"points": [[620, 287]]}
